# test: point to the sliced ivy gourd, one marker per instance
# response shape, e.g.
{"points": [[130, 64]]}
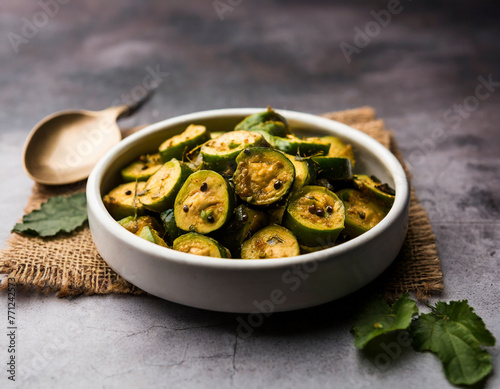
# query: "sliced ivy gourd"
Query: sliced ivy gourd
{"points": [[198, 244], [244, 222], [273, 241], [122, 201], [315, 215], [373, 187], [162, 187], [362, 212], [333, 168], [204, 203], [258, 118], [263, 176], [272, 128], [219, 154], [142, 169], [296, 146], [304, 174], [179, 145], [339, 149], [151, 235], [134, 224], [172, 232]]}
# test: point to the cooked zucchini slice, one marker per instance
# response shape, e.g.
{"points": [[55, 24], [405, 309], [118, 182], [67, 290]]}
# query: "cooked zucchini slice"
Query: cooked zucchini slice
{"points": [[373, 187], [216, 134], [304, 174], [179, 145], [197, 244], [261, 117], [339, 149], [276, 212], [308, 249], [151, 235], [362, 212], [315, 215], [263, 175], [134, 224], [244, 222], [142, 169], [194, 160], [204, 203], [302, 147], [273, 241], [333, 168], [153, 159], [122, 201], [172, 232], [219, 153], [272, 128], [162, 187]]}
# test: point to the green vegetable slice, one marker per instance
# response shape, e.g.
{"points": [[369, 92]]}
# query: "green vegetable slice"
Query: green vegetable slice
{"points": [[263, 176], [303, 147], [57, 214], [339, 149], [204, 203], [172, 232], [304, 174], [362, 212], [123, 201], [244, 222], [273, 241], [134, 224], [315, 215], [261, 117], [162, 187], [373, 187], [272, 128], [276, 212], [142, 169], [333, 168], [194, 160], [378, 318], [307, 249], [455, 333], [197, 244], [179, 145], [216, 134], [151, 235], [219, 154]]}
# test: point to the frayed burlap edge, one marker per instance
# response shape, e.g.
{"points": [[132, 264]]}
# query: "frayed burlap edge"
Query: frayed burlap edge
{"points": [[70, 265], [417, 267]]}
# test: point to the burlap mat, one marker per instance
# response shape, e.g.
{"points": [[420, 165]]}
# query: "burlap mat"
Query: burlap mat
{"points": [[70, 264]]}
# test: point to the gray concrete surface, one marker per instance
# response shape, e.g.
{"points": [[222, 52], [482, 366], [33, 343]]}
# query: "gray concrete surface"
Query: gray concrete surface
{"points": [[415, 71]]}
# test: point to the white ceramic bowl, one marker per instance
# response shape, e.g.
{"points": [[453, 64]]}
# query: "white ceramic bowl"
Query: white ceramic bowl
{"points": [[248, 285]]}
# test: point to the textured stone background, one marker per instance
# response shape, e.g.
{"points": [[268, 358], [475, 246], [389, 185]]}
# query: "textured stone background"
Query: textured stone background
{"points": [[415, 72]]}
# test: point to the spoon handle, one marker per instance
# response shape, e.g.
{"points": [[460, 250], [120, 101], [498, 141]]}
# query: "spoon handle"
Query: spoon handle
{"points": [[126, 110]]}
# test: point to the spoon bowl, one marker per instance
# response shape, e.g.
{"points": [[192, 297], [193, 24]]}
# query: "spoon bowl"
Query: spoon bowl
{"points": [[64, 147]]}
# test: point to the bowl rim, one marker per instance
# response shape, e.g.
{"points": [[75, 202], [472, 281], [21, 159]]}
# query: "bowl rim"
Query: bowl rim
{"points": [[386, 158]]}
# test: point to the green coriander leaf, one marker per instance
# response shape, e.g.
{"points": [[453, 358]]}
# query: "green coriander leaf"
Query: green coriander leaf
{"points": [[455, 333], [378, 318], [58, 214]]}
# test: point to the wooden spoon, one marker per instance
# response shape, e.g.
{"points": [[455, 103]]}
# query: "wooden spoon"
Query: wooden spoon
{"points": [[64, 147]]}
